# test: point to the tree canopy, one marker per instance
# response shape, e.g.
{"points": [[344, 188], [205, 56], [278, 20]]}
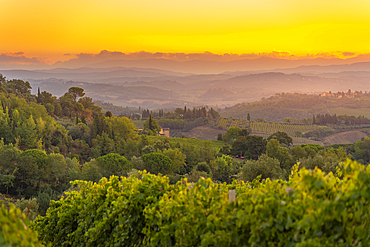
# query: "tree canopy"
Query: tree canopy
{"points": [[282, 137]]}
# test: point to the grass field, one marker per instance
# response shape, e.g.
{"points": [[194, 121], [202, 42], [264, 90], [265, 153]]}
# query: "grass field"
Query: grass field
{"points": [[204, 132], [350, 112], [344, 137], [265, 129], [194, 142]]}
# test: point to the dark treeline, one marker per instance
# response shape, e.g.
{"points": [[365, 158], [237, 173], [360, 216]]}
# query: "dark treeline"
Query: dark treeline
{"points": [[324, 119], [182, 113], [182, 118]]}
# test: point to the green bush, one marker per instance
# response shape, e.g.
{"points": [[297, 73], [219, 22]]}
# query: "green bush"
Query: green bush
{"points": [[14, 229], [313, 208], [108, 213]]}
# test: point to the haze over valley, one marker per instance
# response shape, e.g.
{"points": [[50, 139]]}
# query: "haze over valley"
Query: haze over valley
{"points": [[156, 88]]}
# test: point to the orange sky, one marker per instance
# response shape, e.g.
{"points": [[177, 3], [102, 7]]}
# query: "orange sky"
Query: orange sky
{"points": [[48, 29]]}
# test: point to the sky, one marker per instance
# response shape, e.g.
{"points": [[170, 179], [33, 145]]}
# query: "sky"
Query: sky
{"points": [[49, 31]]}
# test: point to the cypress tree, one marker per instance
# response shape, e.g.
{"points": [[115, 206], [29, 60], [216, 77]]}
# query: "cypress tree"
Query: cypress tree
{"points": [[38, 95], [150, 122]]}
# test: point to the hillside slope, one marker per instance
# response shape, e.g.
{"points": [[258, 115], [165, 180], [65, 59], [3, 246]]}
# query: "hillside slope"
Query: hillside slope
{"points": [[346, 137]]}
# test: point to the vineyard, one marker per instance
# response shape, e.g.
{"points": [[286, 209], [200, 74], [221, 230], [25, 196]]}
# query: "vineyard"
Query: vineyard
{"points": [[311, 209], [226, 123], [265, 129]]}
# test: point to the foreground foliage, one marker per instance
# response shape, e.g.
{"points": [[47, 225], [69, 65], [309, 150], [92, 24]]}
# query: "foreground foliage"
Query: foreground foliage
{"points": [[108, 213], [311, 209], [14, 230]]}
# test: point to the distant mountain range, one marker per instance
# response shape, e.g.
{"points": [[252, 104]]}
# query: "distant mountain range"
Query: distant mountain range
{"points": [[158, 88], [204, 66]]}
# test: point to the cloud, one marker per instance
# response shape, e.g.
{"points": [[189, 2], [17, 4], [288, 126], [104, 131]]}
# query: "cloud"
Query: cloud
{"points": [[19, 58], [181, 57], [67, 54], [348, 54], [17, 53], [87, 59]]}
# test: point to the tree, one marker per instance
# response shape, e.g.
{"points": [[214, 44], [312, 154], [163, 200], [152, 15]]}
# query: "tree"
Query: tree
{"points": [[239, 146], [231, 134], [297, 153], [219, 137], [87, 102], [18, 87], [224, 166], [148, 149], [76, 92], [122, 127], [274, 150], [282, 137], [73, 169], [102, 145], [7, 180], [265, 166], [99, 125], [203, 167], [195, 175], [248, 117], [9, 158], [50, 108], [152, 125], [90, 171], [27, 133], [58, 168], [327, 160], [177, 157], [130, 148], [362, 150], [161, 145], [179, 111], [156, 163], [38, 95], [45, 97], [113, 164], [2, 79], [251, 146], [192, 156], [39, 160]]}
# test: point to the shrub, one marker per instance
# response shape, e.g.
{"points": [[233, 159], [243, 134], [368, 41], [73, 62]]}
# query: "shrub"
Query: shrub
{"points": [[313, 208], [108, 213], [14, 229]]}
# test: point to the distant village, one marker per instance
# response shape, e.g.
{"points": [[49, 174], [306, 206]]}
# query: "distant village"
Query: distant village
{"points": [[348, 94]]}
